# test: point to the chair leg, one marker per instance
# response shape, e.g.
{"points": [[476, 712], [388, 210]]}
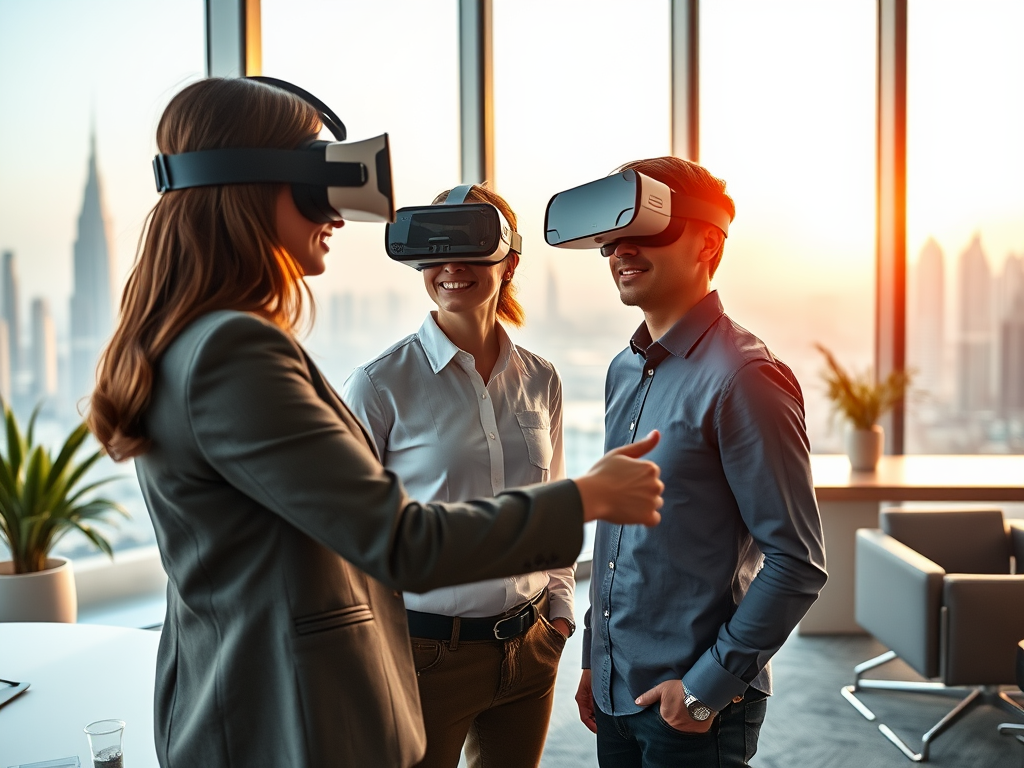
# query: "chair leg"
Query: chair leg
{"points": [[1012, 729], [951, 717], [848, 692], [1010, 703]]}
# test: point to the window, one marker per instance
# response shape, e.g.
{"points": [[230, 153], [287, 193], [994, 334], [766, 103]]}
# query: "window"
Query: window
{"points": [[787, 94], [568, 109], [382, 67], [965, 229], [83, 87]]}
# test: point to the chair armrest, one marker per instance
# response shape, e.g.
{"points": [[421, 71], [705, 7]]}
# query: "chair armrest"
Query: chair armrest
{"points": [[1016, 531], [899, 598], [983, 625]]}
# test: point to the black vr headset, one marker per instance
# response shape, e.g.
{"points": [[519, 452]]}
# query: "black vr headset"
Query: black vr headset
{"points": [[624, 206], [330, 180], [454, 231]]}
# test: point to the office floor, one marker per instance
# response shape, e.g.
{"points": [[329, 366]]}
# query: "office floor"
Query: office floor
{"points": [[809, 725]]}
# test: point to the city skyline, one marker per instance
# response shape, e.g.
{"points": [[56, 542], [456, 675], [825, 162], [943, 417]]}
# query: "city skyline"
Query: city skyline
{"points": [[967, 347]]}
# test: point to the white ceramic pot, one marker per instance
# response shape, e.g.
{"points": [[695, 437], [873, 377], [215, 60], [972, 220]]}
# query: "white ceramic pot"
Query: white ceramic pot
{"points": [[864, 447], [42, 596]]}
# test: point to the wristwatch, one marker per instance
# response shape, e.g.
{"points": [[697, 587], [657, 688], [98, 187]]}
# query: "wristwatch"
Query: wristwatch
{"points": [[570, 622], [698, 710]]}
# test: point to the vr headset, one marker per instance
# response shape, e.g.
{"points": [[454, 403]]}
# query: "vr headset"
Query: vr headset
{"points": [[625, 206], [453, 231], [330, 180]]}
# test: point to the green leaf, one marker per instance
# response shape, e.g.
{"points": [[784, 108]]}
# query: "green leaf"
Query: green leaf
{"points": [[15, 444], [40, 500]]}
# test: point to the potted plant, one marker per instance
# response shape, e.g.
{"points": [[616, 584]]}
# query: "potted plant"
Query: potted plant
{"points": [[42, 499], [862, 400]]}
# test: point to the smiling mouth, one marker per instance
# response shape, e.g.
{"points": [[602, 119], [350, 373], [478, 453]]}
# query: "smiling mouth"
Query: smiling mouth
{"points": [[454, 285], [630, 272]]}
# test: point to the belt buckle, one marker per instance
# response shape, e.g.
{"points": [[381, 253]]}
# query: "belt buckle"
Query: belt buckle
{"points": [[497, 626]]}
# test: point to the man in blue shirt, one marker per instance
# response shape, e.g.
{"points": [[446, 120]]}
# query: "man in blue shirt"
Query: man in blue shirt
{"points": [[684, 617]]}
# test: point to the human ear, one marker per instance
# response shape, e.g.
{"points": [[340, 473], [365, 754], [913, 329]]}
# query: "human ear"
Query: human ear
{"points": [[511, 262], [712, 240]]}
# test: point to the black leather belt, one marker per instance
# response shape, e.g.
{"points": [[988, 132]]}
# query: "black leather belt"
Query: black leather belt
{"points": [[515, 622]]}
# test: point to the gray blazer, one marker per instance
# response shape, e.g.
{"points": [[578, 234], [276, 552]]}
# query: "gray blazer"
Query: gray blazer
{"points": [[286, 545]]}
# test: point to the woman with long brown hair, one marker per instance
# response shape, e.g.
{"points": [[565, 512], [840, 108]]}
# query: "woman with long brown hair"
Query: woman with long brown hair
{"points": [[285, 542]]}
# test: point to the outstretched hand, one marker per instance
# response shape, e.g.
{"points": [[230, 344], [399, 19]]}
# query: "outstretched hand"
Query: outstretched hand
{"points": [[622, 488]]}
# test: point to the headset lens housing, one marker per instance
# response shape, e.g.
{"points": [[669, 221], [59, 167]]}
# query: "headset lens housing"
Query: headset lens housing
{"points": [[435, 234]]}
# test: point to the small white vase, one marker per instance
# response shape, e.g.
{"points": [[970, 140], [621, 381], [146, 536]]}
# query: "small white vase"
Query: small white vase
{"points": [[47, 595], [864, 447]]}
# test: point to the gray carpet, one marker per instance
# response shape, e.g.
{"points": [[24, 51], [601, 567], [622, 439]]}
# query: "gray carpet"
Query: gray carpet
{"points": [[809, 724]]}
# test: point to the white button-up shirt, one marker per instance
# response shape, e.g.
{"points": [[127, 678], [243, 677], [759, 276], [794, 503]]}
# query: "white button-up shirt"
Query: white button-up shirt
{"points": [[450, 437]]}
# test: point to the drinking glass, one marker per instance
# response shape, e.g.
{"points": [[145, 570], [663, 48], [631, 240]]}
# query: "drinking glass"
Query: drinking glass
{"points": [[106, 742]]}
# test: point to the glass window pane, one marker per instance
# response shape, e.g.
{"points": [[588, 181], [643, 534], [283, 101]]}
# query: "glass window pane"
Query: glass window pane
{"points": [[82, 88], [570, 108], [788, 120], [382, 67], [965, 226]]}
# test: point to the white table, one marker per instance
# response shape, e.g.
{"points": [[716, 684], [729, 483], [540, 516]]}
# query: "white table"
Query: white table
{"points": [[850, 500], [78, 673]]}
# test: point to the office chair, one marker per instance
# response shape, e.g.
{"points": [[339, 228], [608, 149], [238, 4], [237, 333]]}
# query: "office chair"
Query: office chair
{"points": [[938, 589], [1016, 729]]}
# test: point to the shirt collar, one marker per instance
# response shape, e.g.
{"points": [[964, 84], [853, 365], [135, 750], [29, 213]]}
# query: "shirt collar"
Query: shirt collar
{"points": [[440, 350], [682, 337]]}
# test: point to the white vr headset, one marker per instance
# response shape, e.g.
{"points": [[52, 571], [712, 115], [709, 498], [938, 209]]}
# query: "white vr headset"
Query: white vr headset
{"points": [[330, 180], [624, 206], [453, 231]]}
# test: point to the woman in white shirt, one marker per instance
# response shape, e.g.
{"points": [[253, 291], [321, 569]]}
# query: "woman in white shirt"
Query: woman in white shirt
{"points": [[457, 411]]}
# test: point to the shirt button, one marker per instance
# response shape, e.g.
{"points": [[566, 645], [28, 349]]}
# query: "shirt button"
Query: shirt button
{"points": [[632, 426], [611, 565], [650, 371], [490, 435], [607, 613], [483, 396]]}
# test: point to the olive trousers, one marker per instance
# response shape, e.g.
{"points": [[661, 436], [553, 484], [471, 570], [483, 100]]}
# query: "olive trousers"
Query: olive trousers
{"points": [[493, 696]]}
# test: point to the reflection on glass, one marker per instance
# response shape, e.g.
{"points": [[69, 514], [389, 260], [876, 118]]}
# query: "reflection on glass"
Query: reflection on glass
{"points": [[788, 120], [82, 90], [965, 228]]}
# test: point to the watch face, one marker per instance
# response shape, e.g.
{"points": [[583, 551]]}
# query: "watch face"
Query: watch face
{"points": [[699, 712]]}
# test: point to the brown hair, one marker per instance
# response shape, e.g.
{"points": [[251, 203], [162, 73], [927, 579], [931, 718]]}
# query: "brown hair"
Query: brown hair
{"points": [[202, 249], [509, 310], [688, 178]]}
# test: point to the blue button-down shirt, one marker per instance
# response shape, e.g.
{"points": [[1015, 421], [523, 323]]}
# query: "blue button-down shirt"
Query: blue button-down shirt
{"points": [[711, 593]]}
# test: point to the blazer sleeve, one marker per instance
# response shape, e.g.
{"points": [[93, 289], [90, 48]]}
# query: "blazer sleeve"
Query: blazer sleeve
{"points": [[258, 421]]}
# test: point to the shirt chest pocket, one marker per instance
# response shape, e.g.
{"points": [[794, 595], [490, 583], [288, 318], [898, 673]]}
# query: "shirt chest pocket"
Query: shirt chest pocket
{"points": [[536, 426]]}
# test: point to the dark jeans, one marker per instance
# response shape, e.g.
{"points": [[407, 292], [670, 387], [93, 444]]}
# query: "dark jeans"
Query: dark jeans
{"points": [[645, 740]]}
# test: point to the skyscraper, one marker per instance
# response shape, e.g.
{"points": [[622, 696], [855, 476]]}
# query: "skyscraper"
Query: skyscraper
{"points": [[10, 313], [5, 364], [43, 353], [91, 307], [926, 319], [1010, 287], [1010, 307], [974, 330]]}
